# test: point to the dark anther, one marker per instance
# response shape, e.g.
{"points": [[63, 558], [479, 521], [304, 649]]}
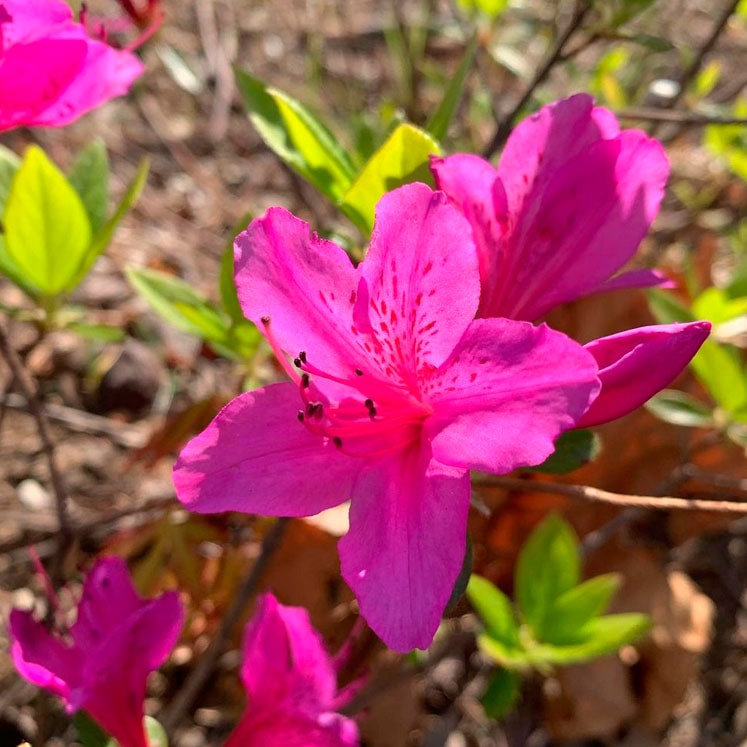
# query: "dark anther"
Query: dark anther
{"points": [[337, 441], [302, 356], [300, 416], [358, 372], [305, 381], [314, 409], [297, 362], [265, 320], [369, 403], [371, 408]]}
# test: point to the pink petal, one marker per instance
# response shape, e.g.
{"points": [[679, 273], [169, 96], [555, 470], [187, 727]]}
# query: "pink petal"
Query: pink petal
{"points": [[636, 364], [31, 19], [547, 139], [508, 391], [108, 599], [105, 74], [586, 222], [34, 75], [256, 457], [642, 278], [41, 658], [289, 729], [406, 545], [114, 675], [421, 277], [285, 663], [304, 284]]}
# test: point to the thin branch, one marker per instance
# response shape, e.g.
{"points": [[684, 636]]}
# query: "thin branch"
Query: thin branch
{"points": [[664, 503], [554, 56], [186, 696], [679, 117], [689, 73], [36, 408]]}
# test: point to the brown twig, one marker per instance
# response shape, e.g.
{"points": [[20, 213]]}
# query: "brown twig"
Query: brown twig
{"points": [[665, 502], [554, 56], [36, 408], [186, 696], [689, 73], [686, 119]]}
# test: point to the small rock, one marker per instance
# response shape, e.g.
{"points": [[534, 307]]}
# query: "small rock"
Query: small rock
{"points": [[33, 495], [132, 380]]}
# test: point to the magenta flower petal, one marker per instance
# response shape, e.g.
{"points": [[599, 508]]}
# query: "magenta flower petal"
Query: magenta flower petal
{"points": [[406, 545], [570, 201], [113, 649], [418, 247], [257, 457], [40, 658], [379, 370], [635, 364], [642, 278], [290, 683], [305, 286], [51, 72], [508, 391]]}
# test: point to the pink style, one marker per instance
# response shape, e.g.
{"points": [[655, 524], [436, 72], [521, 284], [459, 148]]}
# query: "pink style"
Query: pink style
{"points": [[566, 208], [101, 665], [291, 684], [51, 71]]}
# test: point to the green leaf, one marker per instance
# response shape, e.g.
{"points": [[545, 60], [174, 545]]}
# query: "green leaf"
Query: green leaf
{"points": [[403, 158], [97, 332], [180, 304], [654, 43], [627, 10], [548, 566], [226, 285], [9, 163], [720, 370], [574, 609], [438, 126], [297, 137], [490, 9], [667, 309], [156, 733], [718, 305], [573, 449], [90, 734], [680, 408], [495, 610], [501, 694], [599, 637], [90, 179], [460, 585], [47, 230], [104, 235]]}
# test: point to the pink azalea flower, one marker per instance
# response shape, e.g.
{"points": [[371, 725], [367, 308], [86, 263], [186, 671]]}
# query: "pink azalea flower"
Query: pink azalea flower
{"points": [[51, 72], [101, 667], [565, 210], [291, 683], [396, 393]]}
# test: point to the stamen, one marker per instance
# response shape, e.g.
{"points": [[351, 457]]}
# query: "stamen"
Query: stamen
{"points": [[358, 372], [305, 379], [300, 416], [337, 441]]}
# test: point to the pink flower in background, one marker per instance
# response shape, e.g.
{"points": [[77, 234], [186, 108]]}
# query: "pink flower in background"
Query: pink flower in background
{"points": [[291, 684], [101, 667], [51, 71], [396, 393], [565, 210]]}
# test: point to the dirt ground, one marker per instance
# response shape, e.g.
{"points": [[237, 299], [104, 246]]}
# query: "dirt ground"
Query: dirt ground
{"points": [[121, 410]]}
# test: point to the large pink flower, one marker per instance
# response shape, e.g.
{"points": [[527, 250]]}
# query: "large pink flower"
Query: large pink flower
{"points": [[396, 393], [51, 71], [291, 684], [117, 640], [563, 212]]}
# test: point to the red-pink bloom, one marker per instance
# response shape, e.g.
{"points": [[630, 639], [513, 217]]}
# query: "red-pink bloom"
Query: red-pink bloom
{"points": [[396, 393], [102, 664], [291, 684], [51, 71], [563, 212]]}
